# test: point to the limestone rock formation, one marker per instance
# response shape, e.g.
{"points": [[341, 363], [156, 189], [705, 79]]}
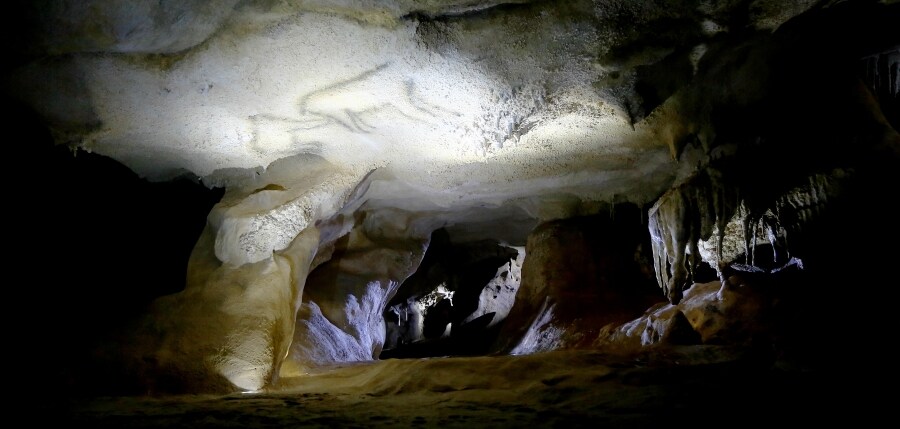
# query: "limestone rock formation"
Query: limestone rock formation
{"points": [[345, 297], [230, 328], [741, 315], [579, 275], [342, 139]]}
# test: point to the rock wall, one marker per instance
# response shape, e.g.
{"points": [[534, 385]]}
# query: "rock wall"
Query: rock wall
{"points": [[341, 317], [579, 275], [779, 141], [229, 329]]}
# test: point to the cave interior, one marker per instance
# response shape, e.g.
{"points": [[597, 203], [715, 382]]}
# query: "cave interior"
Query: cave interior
{"points": [[452, 213]]}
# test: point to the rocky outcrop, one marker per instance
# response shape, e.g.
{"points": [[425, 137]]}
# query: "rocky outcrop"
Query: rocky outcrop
{"points": [[776, 147], [341, 318], [229, 329], [232, 325], [580, 274], [741, 314]]}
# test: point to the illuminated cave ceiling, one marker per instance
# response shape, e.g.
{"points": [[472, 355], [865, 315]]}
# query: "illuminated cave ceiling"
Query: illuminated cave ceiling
{"points": [[464, 102], [456, 104], [424, 114]]}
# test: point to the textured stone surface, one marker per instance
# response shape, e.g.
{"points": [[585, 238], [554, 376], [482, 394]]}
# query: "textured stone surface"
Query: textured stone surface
{"points": [[558, 389], [742, 313], [579, 275], [484, 118], [229, 329], [341, 319], [430, 93]]}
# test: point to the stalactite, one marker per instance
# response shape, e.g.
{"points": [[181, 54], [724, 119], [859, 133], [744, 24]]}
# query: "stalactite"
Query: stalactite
{"points": [[746, 228], [702, 207], [680, 219]]}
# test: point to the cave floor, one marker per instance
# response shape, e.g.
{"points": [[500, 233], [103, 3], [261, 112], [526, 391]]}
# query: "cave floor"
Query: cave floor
{"points": [[701, 386]]}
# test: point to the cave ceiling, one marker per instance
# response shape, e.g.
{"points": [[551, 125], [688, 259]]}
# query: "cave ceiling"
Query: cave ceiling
{"points": [[464, 103], [460, 111]]}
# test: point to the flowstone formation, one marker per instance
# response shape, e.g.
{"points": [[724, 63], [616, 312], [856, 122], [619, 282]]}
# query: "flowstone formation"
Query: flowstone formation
{"points": [[340, 320]]}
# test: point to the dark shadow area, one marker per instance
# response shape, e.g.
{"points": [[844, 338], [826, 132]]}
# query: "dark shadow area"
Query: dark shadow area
{"points": [[462, 268], [92, 242]]}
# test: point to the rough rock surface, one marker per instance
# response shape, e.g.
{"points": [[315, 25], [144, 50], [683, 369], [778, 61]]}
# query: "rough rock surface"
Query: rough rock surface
{"points": [[229, 329], [482, 117], [740, 315], [341, 319], [579, 275]]}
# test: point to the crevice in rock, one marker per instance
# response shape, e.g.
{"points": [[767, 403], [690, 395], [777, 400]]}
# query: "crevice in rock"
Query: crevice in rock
{"points": [[456, 301]]}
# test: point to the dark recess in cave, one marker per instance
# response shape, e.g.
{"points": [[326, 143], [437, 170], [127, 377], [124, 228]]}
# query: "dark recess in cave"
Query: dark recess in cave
{"points": [[97, 243], [464, 268]]}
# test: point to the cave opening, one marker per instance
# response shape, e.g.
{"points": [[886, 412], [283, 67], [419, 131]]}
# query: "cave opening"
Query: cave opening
{"points": [[561, 282], [455, 302]]}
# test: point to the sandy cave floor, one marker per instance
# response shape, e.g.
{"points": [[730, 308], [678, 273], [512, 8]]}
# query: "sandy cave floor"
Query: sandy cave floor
{"points": [[699, 386]]}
